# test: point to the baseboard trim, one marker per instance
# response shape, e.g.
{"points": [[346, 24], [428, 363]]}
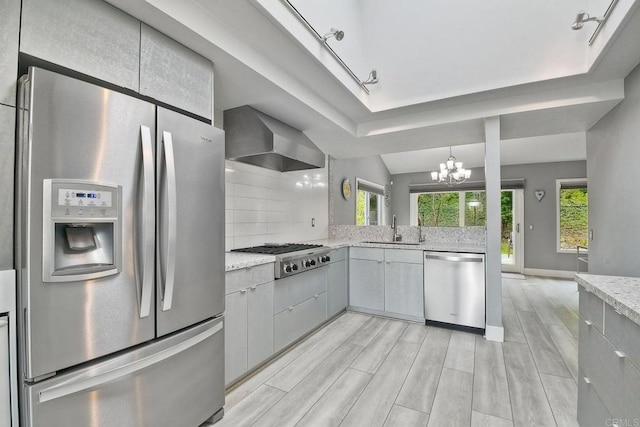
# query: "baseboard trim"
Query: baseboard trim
{"points": [[562, 274], [494, 333]]}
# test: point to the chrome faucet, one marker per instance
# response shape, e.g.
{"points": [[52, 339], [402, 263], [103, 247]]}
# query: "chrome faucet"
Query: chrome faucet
{"points": [[396, 236]]}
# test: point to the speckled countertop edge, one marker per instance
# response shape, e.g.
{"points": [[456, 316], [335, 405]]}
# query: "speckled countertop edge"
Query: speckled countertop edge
{"points": [[427, 246], [239, 260], [621, 293]]}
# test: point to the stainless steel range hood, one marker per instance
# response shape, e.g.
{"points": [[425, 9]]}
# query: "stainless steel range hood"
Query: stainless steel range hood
{"points": [[255, 138]]}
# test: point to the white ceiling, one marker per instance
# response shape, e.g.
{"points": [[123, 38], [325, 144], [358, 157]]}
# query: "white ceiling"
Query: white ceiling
{"points": [[443, 68]]}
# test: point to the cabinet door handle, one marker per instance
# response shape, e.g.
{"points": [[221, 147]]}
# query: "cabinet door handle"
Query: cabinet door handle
{"points": [[316, 296], [588, 323], [587, 380], [243, 291], [388, 262], [379, 261], [617, 311], [620, 354], [290, 308], [253, 288]]}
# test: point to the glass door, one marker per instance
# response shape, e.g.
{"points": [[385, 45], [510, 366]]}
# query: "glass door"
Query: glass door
{"points": [[512, 215]]}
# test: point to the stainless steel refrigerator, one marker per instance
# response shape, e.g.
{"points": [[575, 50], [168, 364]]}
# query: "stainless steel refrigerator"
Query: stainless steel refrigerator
{"points": [[120, 258]]}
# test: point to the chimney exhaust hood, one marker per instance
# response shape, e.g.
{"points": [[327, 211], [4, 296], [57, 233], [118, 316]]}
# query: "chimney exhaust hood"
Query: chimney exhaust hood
{"points": [[255, 138]]}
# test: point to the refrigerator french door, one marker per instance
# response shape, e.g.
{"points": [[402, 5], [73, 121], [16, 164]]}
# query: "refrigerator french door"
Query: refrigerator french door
{"points": [[120, 257]]}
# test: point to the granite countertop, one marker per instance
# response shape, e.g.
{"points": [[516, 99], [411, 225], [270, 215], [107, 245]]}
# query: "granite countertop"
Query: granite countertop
{"points": [[622, 293], [238, 260], [425, 246]]}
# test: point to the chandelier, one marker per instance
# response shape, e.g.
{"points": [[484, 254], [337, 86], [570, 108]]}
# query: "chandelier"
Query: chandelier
{"points": [[451, 172]]}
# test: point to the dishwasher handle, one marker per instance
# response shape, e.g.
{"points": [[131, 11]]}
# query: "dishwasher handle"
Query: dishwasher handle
{"points": [[454, 258]]}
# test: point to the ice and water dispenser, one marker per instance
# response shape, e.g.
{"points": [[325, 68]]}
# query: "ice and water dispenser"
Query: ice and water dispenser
{"points": [[81, 230]]}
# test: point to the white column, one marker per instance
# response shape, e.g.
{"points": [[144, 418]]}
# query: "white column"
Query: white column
{"points": [[494, 331]]}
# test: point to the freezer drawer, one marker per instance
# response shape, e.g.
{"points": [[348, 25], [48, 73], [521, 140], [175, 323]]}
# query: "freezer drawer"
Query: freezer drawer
{"points": [[178, 381], [454, 288], [5, 396]]}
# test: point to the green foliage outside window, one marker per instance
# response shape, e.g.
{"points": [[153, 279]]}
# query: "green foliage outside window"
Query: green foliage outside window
{"points": [[438, 209], [360, 208], [574, 219]]}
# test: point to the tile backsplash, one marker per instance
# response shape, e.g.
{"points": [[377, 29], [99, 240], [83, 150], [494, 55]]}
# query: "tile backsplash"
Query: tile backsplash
{"points": [[265, 206]]}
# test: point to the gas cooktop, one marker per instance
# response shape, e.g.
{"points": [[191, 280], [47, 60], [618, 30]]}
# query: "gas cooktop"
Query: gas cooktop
{"points": [[278, 248], [292, 258]]}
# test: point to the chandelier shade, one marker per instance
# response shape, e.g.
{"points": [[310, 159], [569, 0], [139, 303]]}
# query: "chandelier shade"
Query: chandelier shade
{"points": [[451, 172]]}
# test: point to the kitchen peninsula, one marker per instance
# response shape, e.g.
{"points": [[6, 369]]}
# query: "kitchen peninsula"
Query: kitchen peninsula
{"points": [[609, 350], [266, 314]]}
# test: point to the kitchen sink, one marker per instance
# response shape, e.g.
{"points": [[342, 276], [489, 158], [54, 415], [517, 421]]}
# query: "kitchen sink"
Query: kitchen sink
{"points": [[381, 242]]}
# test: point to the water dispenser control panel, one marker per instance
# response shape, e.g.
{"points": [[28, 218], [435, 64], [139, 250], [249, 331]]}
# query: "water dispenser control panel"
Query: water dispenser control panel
{"points": [[81, 230]]}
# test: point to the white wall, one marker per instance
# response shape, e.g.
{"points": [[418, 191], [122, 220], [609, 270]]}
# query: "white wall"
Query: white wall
{"points": [[266, 206]]}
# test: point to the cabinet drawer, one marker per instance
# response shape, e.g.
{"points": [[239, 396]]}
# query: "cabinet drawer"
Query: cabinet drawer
{"points": [[338, 254], [373, 254], [241, 279], [88, 36], [293, 323], [591, 410], [293, 290], [616, 381], [591, 308], [623, 334], [404, 255]]}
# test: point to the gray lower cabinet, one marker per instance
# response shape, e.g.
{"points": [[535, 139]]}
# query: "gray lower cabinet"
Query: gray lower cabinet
{"points": [[9, 36], [366, 278], [337, 282], [300, 305], [387, 281], [248, 329], [174, 74], [609, 382], [260, 328], [403, 282], [235, 336], [7, 160], [88, 36], [294, 322]]}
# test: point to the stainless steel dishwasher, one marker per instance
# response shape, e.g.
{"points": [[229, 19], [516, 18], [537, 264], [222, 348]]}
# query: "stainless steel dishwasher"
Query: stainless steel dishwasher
{"points": [[454, 288]]}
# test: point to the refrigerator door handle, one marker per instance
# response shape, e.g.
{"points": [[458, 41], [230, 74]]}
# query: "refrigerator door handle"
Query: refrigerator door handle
{"points": [[148, 208], [83, 383], [167, 297]]}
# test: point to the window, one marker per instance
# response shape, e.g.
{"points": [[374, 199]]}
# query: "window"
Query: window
{"points": [[450, 209], [572, 214], [369, 203]]}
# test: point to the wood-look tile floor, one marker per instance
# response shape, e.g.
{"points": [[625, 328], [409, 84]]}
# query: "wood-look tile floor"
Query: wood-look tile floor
{"points": [[363, 370]]}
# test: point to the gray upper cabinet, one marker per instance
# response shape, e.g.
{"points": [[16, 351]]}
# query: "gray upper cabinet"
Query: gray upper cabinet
{"points": [[175, 75], [88, 36], [7, 144], [9, 30]]}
